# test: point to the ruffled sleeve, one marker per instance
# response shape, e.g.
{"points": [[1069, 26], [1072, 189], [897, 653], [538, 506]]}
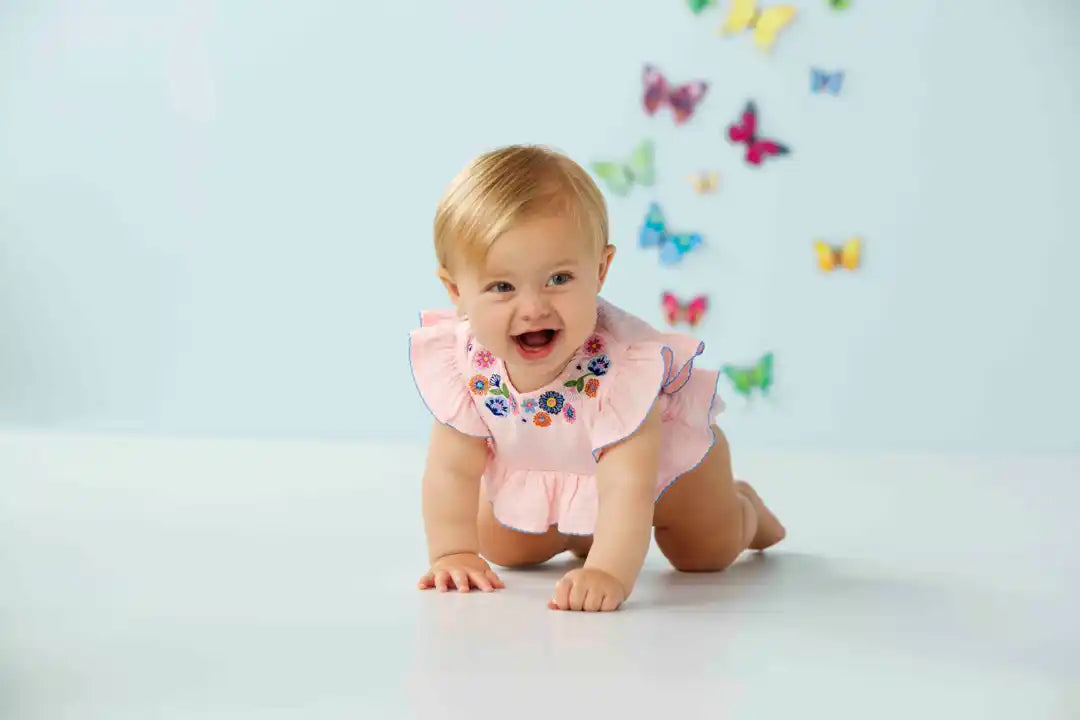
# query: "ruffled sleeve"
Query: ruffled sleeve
{"points": [[640, 375], [438, 353]]}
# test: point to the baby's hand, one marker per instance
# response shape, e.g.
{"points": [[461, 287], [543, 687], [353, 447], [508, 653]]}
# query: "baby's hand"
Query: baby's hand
{"points": [[461, 570], [587, 589]]}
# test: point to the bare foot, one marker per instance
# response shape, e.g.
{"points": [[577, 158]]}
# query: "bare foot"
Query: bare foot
{"points": [[769, 530]]}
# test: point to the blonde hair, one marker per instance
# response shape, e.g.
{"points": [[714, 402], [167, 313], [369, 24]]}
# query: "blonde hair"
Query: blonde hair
{"points": [[505, 186]]}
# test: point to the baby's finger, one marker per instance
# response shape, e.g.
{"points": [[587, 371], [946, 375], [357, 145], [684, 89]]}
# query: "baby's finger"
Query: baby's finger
{"points": [[479, 579], [594, 598], [427, 581], [495, 581], [562, 594], [461, 580], [442, 581], [610, 603], [577, 596]]}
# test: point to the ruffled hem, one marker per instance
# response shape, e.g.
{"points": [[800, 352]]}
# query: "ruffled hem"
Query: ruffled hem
{"points": [[436, 355], [681, 392], [532, 501]]}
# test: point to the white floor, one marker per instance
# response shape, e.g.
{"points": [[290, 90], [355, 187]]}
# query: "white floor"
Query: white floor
{"points": [[207, 579]]}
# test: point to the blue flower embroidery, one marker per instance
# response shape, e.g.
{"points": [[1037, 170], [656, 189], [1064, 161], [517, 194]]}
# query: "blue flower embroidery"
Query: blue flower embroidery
{"points": [[551, 402], [528, 406], [495, 380], [599, 365], [498, 406]]}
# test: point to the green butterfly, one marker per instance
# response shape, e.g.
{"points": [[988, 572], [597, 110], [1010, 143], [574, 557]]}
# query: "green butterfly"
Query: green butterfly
{"points": [[621, 177], [696, 6], [839, 4], [746, 379]]}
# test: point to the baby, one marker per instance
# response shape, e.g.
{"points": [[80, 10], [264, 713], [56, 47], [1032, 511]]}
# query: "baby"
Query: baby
{"points": [[562, 422]]}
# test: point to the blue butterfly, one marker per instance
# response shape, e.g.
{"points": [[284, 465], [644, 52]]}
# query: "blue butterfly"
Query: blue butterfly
{"points": [[824, 82], [654, 233]]}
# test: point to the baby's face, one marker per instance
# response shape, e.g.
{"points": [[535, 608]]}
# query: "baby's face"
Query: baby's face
{"points": [[533, 302]]}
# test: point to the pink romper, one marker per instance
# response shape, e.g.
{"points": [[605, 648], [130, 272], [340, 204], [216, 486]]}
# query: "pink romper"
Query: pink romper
{"points": [[543, 445]]}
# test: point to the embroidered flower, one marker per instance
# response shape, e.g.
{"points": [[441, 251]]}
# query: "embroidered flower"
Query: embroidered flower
{"points": [[498, 406], [468, 347], [513, 405], [551, 402], [594, 345], [484, 359], [569, 413], [541, 419], [599, 365], [478, 384], [591, 387], [529, 406], [496, 380]]}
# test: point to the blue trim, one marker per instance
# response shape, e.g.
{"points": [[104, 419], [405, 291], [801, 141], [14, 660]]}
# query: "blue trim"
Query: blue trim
{"points": [[420, 392], [534, 532], [712, 401], [690, 362], [651, 406]]}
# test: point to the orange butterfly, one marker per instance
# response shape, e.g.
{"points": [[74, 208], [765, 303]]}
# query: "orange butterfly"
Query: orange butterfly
{"points": [[704, 183], [847, 256]]}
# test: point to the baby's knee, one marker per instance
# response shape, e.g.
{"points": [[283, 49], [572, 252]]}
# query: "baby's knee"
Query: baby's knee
{"points": [[705, 561], [513, 549], [515, 556]]}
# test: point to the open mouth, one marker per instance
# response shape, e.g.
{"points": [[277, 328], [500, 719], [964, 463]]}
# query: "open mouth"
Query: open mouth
{"points": [[536, 343]]}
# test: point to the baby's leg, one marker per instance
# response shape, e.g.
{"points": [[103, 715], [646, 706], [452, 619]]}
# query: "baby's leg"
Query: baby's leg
{"points": [[511, 548], [707, 518]]}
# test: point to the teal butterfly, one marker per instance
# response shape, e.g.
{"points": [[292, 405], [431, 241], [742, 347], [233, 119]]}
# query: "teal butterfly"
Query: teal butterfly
{"points": [[621, 177], [696, 6], [654, 233], [756, 377]]}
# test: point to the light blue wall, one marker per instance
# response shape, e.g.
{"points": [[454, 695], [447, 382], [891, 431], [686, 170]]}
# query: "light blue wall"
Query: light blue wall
{"points": [[215, 216]]}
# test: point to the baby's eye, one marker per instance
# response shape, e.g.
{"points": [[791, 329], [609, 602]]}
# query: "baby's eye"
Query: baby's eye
{"points": [[501, 287], [559, 279]]}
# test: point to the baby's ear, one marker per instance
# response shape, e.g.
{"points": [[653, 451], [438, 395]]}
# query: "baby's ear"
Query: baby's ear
{"points": [[448, 282], [605, 264]]}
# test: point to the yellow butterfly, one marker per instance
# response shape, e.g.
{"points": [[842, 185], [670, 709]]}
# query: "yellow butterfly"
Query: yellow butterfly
{"points": [[705, 183], [847, 256], [766, 24]]}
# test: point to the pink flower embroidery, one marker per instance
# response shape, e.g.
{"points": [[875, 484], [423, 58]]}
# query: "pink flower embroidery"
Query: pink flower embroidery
{"points": [[569, 413], [484, 359], [594, 345]]}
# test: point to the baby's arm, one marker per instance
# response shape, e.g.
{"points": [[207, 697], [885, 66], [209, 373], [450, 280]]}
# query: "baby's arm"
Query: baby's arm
{"points": [[625, 479], [451, 491]]}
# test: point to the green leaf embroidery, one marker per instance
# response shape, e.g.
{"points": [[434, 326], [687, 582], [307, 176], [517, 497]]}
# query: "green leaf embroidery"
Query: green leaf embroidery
{"points": [[572, 383], [580, 383]]}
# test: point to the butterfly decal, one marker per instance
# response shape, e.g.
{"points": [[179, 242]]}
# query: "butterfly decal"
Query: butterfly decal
{"points": [[847, 256], [620, 177], [654, 233], [682, 99], [839, 4], [697, 6], [766, 24], [676, 311], [745, 131], [758, 376], [704, 183], [826, 82]]}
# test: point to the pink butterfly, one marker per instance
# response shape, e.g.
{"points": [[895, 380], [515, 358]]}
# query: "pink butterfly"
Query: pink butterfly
{"points": [[675, 310], [745, 131], [682, 99]]}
